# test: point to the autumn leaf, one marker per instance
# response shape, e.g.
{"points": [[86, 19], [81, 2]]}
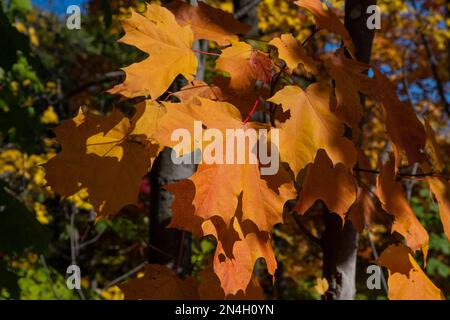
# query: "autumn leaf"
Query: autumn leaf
{"points": [[327, 19], [160, 283], [238, 248], [199, 89], [312, 126], [239, 244], [209, 288], [103, 155], [367, 211], [208, 22], [245, 65], [350, 80], [441, 190], [405, 130], [334, 185], [433, 147], [219, 90], [169, 45], [392, 197], [406, 279], [293, 53]]}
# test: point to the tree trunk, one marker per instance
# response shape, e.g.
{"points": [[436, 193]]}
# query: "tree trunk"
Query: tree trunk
{"points": [[170, 246], [247, 11], [340, 243]]}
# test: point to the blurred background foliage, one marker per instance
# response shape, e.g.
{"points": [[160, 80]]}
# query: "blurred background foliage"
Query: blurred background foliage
{"points": [[47, 72]]}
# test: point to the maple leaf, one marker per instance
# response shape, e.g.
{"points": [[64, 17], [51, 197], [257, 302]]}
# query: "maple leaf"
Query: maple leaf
{"points": [[219, 90], [405, 130], [261, 204], [350, 81], [293, 53], [367, 211], [406, 279], [327, 19], [169, 45], [208, 22], [312, 126], [433, 147], [238, 248], [199, 89], [441, 190], [334, 185], [393, 199], [239, 244], [160, 283], [102, 154], [245, 65], [209, 288]]}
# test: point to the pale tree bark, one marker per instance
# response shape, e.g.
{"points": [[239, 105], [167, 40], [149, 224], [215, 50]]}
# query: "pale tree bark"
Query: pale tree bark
{"points": [[170, 246], [340, 243]]}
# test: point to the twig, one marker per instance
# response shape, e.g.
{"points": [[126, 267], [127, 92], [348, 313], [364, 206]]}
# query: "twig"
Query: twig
{"points": [[431, 59], [375, 255], [406, 175], [49, 277], [305, 231], [310, 36], [124, 276], [104, 78], [410, 184], [245, 9], [86, 243]]}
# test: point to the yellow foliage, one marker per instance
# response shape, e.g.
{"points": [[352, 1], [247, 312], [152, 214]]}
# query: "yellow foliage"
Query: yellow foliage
{"points": [[41, 213], [49, 116], [80, 200], [112, 293]]}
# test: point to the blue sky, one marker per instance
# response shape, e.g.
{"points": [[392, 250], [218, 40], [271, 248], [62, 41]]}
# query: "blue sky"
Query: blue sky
{"points": [[57, 6]]}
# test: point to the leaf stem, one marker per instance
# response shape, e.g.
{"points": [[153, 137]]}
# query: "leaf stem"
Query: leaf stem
{"points": [[255, 105], [207, 53]]}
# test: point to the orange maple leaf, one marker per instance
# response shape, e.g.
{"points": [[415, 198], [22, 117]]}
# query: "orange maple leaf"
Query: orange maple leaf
{"points": [[208, 22], [327, 19], [312, 126], [393, 199], [334, 185], [293, 53], [406, 279], [102, 154], [245, 65]]}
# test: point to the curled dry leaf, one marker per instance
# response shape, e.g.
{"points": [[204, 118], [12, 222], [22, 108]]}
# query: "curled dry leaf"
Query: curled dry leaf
{"points": [[406, 279], [208, 22], [169, 45]]}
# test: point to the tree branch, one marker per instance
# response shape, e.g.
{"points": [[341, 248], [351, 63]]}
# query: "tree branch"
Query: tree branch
{"points": [[244, 10]]}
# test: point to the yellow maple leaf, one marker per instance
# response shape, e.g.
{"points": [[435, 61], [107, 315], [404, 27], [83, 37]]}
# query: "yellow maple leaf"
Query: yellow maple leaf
{"points": [[169, 45]]}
